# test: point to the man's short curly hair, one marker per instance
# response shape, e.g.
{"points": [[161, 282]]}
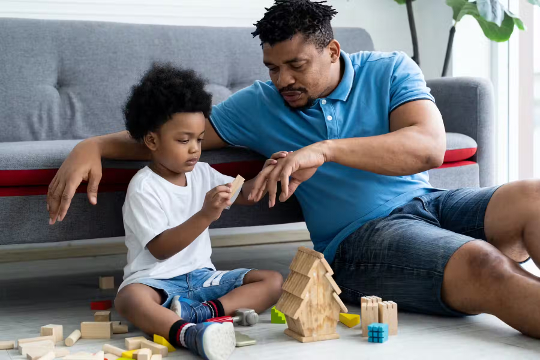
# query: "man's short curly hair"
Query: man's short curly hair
{"points": [[286, 18], [162, 92]]}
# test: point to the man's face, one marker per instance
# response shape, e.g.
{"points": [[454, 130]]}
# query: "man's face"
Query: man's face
{"points": [[298, 69], [178, 142]]}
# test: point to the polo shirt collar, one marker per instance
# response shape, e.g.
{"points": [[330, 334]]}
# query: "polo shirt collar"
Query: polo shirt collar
{"points": [[342, 91]]}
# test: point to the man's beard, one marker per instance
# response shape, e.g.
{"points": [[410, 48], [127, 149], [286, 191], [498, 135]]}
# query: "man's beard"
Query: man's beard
{"points": [[309, 103]]}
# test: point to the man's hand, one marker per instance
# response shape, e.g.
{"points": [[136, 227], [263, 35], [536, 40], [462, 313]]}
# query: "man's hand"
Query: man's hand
{"points": [[215, 201], [299, 166], [83, 163]]}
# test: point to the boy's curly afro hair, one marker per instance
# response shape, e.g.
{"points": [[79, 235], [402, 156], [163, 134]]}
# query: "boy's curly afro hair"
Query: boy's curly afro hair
{"points": [[286, 18], [163, 91]]}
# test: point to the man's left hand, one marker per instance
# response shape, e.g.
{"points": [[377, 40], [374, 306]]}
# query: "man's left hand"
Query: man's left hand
{"points": [[299, 165]]}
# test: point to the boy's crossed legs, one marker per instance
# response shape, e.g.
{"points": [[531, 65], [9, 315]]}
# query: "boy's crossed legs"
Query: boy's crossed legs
{"points": [[146, 306]]}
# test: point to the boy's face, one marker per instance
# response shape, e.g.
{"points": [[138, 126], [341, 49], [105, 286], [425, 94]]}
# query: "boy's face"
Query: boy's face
{"points": [[177, 144]]}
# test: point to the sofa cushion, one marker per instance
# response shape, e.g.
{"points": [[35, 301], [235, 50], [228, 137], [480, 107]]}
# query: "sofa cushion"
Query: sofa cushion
{"points": [[459, 147]]}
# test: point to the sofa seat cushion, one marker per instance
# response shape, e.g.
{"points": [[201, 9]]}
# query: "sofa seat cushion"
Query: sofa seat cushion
{"points": [[28, 167], [459, 147]]}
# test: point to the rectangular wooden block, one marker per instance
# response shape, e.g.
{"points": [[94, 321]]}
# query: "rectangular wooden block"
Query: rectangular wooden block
{"points": [[40, 338], [236, 185], [7, 345], [102, 316], [113, 350], [61, 352], [119, 328], [143, 354], [57, 331], [96, 330], [157, 349], [106, 282], [48, 356], [37, 352], [370, 315], [133, 343], [156, 357], [47, 345]]}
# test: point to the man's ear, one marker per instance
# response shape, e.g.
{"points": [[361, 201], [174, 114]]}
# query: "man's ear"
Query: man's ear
{"points": [[151, 140], [334, 49]]}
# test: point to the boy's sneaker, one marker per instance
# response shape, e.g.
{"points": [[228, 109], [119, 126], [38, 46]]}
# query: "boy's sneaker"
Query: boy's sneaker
{"points": [[211, 341], [190, 310]]}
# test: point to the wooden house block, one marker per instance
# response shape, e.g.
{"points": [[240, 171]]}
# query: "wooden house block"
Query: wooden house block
{"points": [[106, 282], [102, 316], [162, 341], [96, 330], [48, 356], [46, 344], [7, 345], [370, 315], [310, 299], [40, 338], [113, 350], [73, 337], [156, 349], [133, 343], [119, 328], [143, 354], [57, 331], [236, 185], [61, 352]]}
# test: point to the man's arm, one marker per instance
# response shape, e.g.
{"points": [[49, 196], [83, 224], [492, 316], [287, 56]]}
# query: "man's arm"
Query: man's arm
{"points": [[416, 143], [84, 163]]}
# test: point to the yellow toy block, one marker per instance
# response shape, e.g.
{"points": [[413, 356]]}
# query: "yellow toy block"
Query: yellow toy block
{"points": [[162, 341], [129, 354], [350, 320]]}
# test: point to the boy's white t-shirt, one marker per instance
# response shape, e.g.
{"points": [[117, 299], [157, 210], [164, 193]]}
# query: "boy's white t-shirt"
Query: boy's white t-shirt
{"points": [[154, 205]]}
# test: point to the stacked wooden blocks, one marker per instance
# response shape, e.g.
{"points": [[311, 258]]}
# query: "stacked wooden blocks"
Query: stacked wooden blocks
{"points": [[374, 310]]}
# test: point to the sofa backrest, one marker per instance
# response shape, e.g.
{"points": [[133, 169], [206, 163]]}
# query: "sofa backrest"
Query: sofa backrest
{"points": [[69, 79]]}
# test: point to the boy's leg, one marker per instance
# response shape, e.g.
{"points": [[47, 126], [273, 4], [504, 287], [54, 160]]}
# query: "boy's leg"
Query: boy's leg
{"points": [[260, 290]]}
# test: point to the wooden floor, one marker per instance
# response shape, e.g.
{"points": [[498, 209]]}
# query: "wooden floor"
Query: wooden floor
{"points": [[38, 293]]}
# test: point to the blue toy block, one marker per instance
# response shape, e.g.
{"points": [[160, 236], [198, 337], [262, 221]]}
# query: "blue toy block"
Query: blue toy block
{"points": [[378, 333]]}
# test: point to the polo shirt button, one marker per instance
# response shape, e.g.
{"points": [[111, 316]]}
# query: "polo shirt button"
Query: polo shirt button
{"points": [[329, 118], [323, 102]]}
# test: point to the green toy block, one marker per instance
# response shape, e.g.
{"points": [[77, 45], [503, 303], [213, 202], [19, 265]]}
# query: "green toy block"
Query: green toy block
{"points": [[277, 317]]}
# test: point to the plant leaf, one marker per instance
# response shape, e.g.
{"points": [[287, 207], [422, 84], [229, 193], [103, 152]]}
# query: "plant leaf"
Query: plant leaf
{"points": [[469, 9], [497, 33], [456, 6], [535, 2], [491, 10], [517, 20], [401, 2]]}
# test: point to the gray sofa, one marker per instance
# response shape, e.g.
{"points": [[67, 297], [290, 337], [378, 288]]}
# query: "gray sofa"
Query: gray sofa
{"points": [[62, 81]]}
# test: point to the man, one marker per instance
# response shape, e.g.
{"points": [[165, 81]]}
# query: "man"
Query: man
{"points": [[364, 130]]}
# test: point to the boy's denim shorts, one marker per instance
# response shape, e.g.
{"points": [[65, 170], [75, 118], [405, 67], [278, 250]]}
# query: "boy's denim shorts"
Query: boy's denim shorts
{"points": [[200, 285], [402, 257]]}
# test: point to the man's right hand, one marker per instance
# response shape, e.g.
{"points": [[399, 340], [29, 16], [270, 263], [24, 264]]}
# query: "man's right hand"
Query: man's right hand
{"points": [[83, 163]]}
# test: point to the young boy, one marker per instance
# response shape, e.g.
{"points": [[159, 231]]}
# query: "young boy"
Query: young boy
{"points": [[170, 285]]}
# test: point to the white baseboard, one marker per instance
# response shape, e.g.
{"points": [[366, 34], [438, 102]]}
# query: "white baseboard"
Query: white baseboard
{"points": [[254, 235]]}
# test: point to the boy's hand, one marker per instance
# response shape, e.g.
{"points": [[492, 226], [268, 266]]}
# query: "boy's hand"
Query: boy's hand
{"points": [[270, 162], [215, 201]]}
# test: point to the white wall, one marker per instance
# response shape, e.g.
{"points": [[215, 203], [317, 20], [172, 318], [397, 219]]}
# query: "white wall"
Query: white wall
{"points": [[384, 19]]}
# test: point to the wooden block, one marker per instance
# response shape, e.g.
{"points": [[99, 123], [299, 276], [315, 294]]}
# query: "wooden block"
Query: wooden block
{"points": [[133, 343], [101, 305], [106, 282], [350, 320], [47, 345], [162, 341], [57, 331], [143, 354], [119, 328], [109, 356], [306, 339], [130, 354], [236, 185], [113, 350], [96, 330], [61, 352], [72, 339], [48, 356], [156, 349], [155, 357], [7, 345], [102, 316], [370, 315], [35, 352], [29, 340], [393, 324]]}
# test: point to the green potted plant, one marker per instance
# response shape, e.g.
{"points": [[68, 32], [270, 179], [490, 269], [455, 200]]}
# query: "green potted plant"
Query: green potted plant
{"points": [[496, 22]]}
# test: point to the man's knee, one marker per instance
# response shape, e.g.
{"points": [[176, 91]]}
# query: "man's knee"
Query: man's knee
{"points": [[486, 264]]}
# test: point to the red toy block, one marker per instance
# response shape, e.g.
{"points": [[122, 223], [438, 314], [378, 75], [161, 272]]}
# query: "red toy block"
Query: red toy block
{"points": [[101, 305]]}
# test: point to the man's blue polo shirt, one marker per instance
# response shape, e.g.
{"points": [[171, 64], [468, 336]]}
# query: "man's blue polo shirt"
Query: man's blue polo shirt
{"points": [[337, 200]]}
